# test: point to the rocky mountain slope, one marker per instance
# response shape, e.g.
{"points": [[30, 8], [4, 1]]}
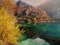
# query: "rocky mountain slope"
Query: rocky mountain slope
{"points": [[26, 10]]}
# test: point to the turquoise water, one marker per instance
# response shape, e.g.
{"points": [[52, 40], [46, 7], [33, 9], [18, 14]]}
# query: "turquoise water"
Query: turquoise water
{"points": [[53, 30]]}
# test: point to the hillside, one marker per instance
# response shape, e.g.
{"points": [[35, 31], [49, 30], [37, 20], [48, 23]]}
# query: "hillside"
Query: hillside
{"points": [[24, 10]]}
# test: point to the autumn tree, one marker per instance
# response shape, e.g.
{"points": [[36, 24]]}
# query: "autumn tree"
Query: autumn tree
{"points": [[9, 32], [8, 4]]}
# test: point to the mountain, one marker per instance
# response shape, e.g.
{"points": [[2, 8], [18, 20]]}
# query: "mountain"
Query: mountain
{"points": [[25, 10], [52, 8], [33, 17]]}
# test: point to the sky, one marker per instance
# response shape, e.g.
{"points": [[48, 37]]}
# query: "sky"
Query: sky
{"points": [[34, 3]]}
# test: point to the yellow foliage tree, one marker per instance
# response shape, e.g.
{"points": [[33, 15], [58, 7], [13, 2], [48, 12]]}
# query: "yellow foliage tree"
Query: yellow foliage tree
{"points": [[9, 4], [9, 31]]}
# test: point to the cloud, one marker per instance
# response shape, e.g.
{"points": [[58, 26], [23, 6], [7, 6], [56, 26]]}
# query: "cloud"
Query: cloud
{"points": [[36, 41]]}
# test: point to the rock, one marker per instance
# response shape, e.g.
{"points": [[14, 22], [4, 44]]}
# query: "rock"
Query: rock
{"points": [[38, 15]]}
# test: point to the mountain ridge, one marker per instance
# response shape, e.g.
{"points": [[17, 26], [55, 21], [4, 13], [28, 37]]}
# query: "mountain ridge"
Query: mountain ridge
{"points": [[40, 15]]}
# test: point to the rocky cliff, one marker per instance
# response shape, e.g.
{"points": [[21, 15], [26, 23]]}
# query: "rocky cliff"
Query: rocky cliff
{"points": [[37, 15]]}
